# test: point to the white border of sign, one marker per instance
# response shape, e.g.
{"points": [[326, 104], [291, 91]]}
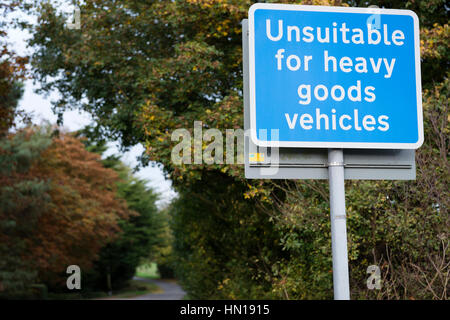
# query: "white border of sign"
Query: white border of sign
{"points": [[311, 144]]}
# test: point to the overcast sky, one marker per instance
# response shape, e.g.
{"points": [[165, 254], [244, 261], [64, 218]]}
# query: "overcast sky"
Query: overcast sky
{"points": [[40, 106]]}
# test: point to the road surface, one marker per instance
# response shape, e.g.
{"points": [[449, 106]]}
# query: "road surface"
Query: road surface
{"points": [[170, 290]]}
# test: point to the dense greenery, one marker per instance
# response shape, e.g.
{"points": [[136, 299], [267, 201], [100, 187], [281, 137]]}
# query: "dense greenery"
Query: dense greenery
{"points": [[145, 68]]}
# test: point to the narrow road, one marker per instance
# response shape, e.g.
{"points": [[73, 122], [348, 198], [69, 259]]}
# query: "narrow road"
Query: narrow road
{"points": [[171, 290]]}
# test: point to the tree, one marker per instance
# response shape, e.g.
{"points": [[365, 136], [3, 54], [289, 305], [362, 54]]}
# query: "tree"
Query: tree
{"points": [[85, 212], [164, 254], [18, 191], [58, 206], [141, 234], [23, 199], [225, 247], [12, 72]]}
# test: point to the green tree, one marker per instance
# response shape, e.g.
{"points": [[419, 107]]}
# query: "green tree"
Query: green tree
{"points": [[224, 246], [23, 199], [141, 234]]}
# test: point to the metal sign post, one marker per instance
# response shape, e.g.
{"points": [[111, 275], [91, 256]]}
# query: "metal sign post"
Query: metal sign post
{"points": [[338, 224]]}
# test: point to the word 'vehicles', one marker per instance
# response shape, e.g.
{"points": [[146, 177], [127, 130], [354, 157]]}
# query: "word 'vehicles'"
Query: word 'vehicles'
{"points": [[323, 121]]}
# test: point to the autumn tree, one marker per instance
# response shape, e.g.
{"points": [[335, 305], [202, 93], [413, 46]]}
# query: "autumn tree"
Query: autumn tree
{"points": [[141, 234], [12, 72], [85, 209], [58, 204]]}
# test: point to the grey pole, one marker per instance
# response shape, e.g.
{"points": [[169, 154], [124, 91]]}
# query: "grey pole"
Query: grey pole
{"points": [[338, 224]]}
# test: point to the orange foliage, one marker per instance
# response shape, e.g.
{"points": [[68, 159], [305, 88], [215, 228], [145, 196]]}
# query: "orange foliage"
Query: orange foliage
{"points": [[84, 210]]}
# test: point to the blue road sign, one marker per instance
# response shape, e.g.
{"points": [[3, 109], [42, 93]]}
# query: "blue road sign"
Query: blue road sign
{"points": [[334, 77]]}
